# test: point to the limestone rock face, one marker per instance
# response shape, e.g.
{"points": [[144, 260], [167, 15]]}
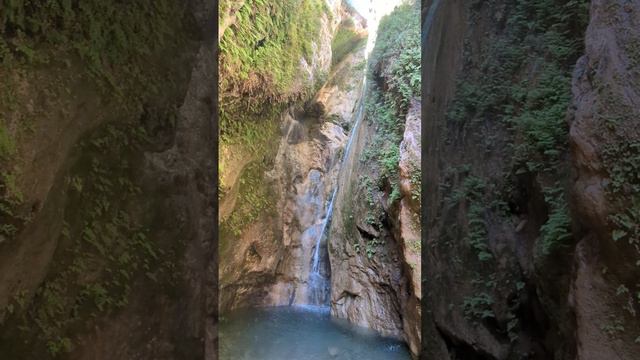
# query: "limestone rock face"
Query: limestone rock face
{"points": [[382, 290], [270, 262], [407, 228], [375, 270]]}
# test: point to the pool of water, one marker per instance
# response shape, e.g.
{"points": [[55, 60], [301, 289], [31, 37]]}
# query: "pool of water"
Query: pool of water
{"points": [[301, 333]]}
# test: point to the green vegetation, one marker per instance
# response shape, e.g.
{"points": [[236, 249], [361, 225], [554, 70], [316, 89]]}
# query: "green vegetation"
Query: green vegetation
{"points": [[346, 40], [105, 250], [623, 164], [416, 185], [398, 43], [119, 47], [556, 232], [113, 39], [395, 67], [478, 307], [472, 193], [253, 201], [260, 76], [540, 43], [7, 144], [614, 327], [260, 53]]}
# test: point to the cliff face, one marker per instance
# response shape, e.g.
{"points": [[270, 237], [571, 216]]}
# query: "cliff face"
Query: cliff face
{"points": [[375, 276], [604, 138], [529, 245], [374, 242], [106, 198], [276, 189]]}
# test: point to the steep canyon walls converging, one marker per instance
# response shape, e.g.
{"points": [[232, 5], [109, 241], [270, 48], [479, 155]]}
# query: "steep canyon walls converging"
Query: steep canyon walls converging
{"points": [[319, 200], [530, 209]]}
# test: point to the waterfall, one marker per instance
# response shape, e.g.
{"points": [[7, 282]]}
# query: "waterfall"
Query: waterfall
{"points": [[315, 269], [317, 282], [426, 27]]}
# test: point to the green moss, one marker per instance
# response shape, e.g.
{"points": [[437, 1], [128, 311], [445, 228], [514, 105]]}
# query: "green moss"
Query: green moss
{"points": [[346, 41], [260, 53], [255, 199]]}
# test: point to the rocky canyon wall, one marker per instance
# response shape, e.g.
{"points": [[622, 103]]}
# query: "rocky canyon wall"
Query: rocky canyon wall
{"points": [[605, 187], [274, 200], [525, 224], [374, 242], [107, 235]]}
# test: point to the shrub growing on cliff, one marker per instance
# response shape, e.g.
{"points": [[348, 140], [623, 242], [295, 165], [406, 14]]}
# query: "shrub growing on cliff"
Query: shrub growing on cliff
{"points": [[394, 79], [557, 230], [260, 53], [478, 307], [398, 50], [528, 94]]}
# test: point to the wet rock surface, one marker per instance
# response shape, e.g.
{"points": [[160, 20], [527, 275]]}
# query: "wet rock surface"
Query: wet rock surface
{"points": [[270, 263]]}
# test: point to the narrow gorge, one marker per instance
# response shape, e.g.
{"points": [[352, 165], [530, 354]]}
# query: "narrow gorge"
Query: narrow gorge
{"points": [[319, 181]]}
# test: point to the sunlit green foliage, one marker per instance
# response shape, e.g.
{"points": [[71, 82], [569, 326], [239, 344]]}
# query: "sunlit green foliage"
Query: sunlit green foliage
{"points": [[396, 60], [398, 47], [346, 40], [260, 53], [393, 80], [261, 57]]}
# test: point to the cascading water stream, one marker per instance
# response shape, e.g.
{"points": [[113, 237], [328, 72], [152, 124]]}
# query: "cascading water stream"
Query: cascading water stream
{"points": [[426, 26], [316, 254], [316, 280]]}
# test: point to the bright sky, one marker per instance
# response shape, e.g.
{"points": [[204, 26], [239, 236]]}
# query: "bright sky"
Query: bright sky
{"points": [[373, 10]]}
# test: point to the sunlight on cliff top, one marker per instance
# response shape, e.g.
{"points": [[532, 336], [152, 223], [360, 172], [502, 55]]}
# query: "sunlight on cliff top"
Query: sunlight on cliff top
{"points": [[373, 11]]}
